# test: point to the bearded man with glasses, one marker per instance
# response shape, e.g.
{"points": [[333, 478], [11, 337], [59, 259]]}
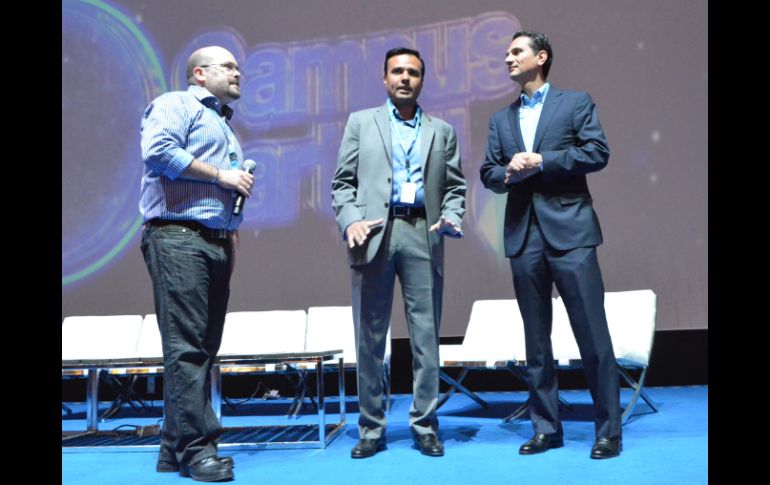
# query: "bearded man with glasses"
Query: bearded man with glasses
{"points": [[192, 177]]}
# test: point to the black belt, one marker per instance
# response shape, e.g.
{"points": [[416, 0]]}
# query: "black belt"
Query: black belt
{"points": [[405, 211], [205, 232]]}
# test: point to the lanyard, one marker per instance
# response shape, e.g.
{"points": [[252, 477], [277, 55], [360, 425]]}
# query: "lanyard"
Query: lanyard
{"points": [[232, 154], [406, 145]]}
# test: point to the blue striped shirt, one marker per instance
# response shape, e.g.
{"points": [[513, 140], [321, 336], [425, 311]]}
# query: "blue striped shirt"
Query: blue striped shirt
{"points": [[177, 127]]}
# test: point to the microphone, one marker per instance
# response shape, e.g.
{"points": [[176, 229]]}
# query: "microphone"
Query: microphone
{"points": [[249, 166]]}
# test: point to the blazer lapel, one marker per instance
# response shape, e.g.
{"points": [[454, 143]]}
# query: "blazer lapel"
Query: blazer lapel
{"points": [[382, 122], [550, 105], [513, 119], [426, 140]]}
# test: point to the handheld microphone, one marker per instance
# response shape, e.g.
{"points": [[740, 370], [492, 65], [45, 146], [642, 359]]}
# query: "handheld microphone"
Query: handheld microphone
{"points": [[249, 166]]}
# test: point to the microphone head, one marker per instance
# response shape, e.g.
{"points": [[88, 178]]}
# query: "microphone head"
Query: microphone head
{"points": [[249, 165]]}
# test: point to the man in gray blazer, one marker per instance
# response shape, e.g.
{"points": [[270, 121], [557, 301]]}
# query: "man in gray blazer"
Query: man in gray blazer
{"points": [[398, 189]]}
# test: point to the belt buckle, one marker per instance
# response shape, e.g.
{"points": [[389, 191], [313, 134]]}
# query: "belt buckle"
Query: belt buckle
{"points": [[220, 233], [400, 211]]}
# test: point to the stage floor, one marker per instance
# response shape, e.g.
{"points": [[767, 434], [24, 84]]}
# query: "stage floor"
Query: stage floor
{"points": [[670, 446]]}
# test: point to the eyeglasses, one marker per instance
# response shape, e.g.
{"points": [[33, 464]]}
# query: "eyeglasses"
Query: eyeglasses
{"points": [[229, 68]]}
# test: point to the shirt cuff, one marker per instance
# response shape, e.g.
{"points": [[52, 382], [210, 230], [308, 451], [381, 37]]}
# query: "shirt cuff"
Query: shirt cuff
{"points": [[178, 164]]}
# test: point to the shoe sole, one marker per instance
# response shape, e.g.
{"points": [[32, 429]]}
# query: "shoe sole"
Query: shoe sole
{"points": [[166, 467], [603, 456], [376, 450], [551, 446], [226, 475], [416, 447]]}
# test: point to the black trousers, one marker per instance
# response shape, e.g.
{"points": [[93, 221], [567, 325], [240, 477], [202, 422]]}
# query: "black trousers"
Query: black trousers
{"points": [[191, 286]]}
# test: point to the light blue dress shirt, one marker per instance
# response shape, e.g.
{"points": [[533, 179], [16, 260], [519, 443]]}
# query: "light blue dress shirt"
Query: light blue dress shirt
{"points": [[529, 115], [407, 160]]}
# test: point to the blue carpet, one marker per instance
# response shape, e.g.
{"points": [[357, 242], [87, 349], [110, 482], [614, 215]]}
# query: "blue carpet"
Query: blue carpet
{"points": [[667, 447]]}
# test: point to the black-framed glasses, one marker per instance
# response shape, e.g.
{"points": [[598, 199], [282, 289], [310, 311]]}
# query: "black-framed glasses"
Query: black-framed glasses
{"points": [[230, 68]]}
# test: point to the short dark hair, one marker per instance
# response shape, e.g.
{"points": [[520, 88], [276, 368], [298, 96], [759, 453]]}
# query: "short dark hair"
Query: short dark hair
{"points": [[538, 42], [397, 51]]}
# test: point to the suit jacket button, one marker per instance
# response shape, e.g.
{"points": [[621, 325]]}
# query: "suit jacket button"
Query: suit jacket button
{"points": [[386, 204]]}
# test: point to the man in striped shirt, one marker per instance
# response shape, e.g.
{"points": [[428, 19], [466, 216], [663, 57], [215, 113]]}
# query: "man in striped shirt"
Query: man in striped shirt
{"points": [[192, 176]]}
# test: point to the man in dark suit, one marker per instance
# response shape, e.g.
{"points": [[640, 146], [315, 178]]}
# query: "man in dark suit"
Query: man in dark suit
{"points": [[539, 150], [397, 190]]}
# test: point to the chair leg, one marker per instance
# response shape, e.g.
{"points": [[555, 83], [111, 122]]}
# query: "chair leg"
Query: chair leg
{"points": [[524, 408], [638, 391], [445, 397], [458, 385], [518, 412], [300, 388], [125, 395], [452, 389], [519, 374]]}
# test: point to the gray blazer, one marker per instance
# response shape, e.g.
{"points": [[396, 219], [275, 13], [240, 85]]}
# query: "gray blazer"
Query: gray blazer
{"points": [[361, 186]]}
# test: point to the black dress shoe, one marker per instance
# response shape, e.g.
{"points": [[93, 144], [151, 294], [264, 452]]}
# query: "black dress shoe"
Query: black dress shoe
{"points": [[164, 465], [606, 447], [366, 447], [209, 469], [541, 442], [428, 444]]}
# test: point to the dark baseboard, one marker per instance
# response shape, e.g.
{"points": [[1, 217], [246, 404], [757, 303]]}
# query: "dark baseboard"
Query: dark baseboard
{"points": [[679, 358]]}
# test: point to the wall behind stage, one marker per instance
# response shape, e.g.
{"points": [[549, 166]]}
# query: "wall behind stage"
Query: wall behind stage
{"points": [[308, 63]]}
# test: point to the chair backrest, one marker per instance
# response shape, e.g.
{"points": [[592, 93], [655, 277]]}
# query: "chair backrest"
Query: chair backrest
{"points": [[631, 318], [332, 327], [495, 331], [264, 332], [100, 337], [150, 344]]}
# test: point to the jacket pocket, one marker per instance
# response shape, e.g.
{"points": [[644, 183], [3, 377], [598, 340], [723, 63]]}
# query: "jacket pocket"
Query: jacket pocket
{"points": [[574, 199]]}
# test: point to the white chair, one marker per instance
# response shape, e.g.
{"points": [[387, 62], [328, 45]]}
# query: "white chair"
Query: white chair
{"points": [[256, 333], [98, 342], [332, 327], [494, 337], [631, 321], [264, 332], [100, 337]]}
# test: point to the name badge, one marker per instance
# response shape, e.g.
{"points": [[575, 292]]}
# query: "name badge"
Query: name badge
{"points": [[233, 156], [408, 192]]}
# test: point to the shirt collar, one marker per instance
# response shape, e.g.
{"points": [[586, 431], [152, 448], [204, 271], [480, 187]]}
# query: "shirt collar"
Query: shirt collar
{"points": [[537, 97], [210, 101], [413, 122]]}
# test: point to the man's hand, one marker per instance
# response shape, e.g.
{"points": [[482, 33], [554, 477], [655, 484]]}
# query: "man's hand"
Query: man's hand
{"points": [[238, 180], [445, 226], [357, 232], [521, 166]]}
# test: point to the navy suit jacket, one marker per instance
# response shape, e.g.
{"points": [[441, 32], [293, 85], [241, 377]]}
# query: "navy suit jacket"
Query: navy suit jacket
{"points": [[572, 143]]}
